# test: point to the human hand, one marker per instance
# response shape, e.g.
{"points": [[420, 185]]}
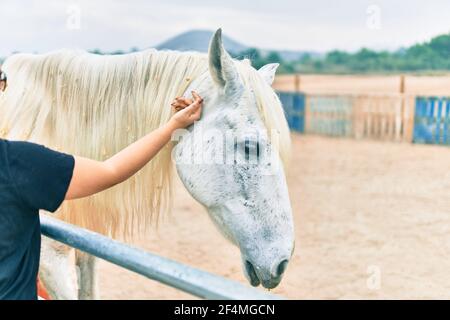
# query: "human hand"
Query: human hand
{"points": [[187, 110], [3, 81]]}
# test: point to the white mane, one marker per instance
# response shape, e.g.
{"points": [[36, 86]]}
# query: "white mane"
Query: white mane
{"points": [[94, 106]]}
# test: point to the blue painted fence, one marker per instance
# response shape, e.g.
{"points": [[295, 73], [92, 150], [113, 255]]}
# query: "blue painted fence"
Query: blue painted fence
{"points": [[432, 120], [383, 117], [294, 109], [329, 115]]}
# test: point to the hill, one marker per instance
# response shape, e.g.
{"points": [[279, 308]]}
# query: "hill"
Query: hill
{"points": [[198, 40]]}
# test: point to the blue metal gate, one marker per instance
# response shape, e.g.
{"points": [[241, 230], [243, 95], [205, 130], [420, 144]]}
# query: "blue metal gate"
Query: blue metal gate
{"points": [[432, 120], [294, 109]]}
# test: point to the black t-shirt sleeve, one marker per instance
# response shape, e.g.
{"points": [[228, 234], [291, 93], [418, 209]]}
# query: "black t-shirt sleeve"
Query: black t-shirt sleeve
{"points": [[40, 175]]}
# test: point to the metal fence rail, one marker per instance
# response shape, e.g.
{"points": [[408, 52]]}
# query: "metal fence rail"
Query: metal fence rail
{"points": [[199, 283]]}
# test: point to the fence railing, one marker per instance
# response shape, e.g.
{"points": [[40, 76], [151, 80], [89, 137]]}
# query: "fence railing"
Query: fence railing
{"points": [[373, 116], [432, 120], [384, 117], [329, 115], [294, 108], [185, 278]]}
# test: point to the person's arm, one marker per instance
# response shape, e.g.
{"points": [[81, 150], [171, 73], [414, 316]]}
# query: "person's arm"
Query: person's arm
{"points": [[3, 80], [90, 176]]}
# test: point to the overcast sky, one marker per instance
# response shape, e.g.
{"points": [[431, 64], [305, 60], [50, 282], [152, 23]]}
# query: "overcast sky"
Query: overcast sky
{"points": [[318, 25]]}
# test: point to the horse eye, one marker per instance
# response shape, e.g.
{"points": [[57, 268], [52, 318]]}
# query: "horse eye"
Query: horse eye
{"points": [[253, 147], [250, 149]]}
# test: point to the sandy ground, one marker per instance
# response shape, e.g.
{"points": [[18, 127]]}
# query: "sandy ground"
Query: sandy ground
{"points": [[372, 221], [341, 84]]}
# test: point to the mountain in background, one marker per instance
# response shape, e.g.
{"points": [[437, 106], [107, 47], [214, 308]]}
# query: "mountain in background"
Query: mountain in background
{"points": [[198, 40]]}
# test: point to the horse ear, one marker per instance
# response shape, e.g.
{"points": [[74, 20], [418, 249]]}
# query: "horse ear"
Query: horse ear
{"points": [[268, 72], [221, 66]]}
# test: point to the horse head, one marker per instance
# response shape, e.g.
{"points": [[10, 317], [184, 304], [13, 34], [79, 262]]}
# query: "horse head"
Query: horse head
{"points": [[229, 162]]}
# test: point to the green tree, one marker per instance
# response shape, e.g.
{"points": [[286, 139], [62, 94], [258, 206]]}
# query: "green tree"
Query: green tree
{"points": [[254, 55], [274, 57], [337, 57]]}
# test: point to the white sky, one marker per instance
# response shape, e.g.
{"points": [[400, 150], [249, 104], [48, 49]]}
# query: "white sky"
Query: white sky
{"points": [[318, 25]]}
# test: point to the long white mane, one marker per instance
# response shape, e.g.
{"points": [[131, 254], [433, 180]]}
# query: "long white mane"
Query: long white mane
{"points": [[94, 106]]}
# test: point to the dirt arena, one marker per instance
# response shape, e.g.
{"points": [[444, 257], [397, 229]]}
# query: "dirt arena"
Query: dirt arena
{"points": [[372, 221]]}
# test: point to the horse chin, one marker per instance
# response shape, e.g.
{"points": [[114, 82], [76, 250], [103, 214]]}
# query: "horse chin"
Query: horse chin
{"points": [[271, 284]]}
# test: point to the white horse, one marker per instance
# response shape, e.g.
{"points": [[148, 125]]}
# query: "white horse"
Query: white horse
{"points": [[94, 106]]}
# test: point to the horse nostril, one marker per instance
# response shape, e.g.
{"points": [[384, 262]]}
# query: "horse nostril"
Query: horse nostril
{"points": [[254, 280], [282, 267]]}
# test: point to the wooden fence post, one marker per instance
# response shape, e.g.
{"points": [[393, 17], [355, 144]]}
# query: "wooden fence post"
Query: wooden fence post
{"points": [[297, 83], [406, 130], [402, 84]]}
